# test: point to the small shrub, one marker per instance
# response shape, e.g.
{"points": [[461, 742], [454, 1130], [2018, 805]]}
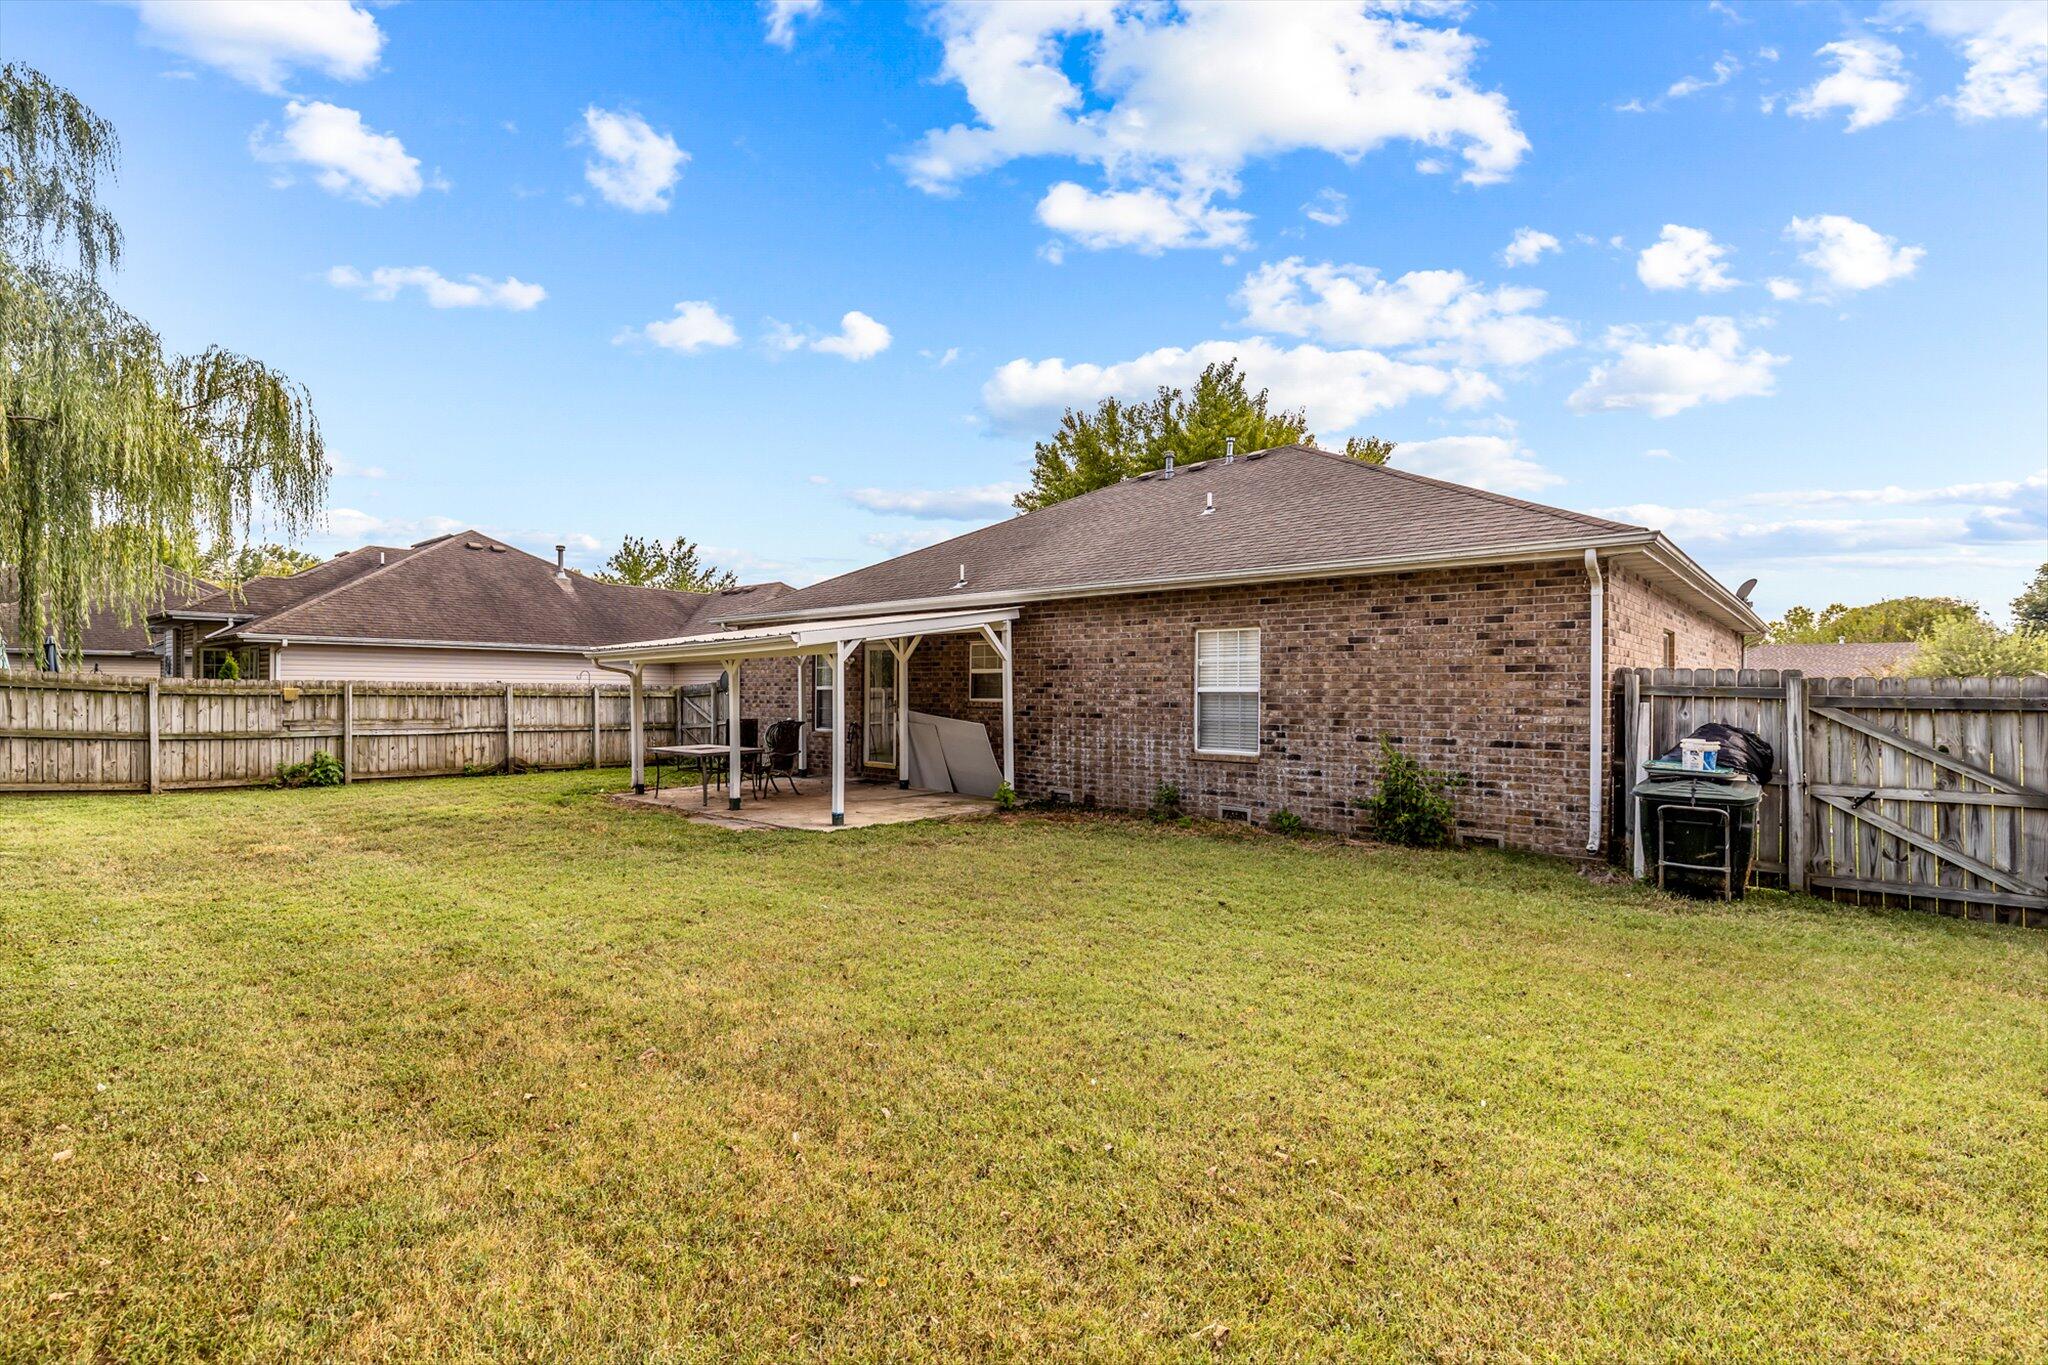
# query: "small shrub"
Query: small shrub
{"points": [[1413, 805], [1006, 797], [1285, 821], [1165, 803], [227, 670], [321, 770]]}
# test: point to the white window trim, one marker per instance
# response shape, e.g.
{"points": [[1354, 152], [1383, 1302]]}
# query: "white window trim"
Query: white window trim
{"points": [[994, 670], [820, 666], [1258, 693]]}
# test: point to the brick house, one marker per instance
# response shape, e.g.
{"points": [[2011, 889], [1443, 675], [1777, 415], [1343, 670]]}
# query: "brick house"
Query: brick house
{"points": [[1246, 630]]}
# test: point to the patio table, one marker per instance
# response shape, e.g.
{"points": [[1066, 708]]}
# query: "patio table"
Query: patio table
{"points": [[699, 754]]}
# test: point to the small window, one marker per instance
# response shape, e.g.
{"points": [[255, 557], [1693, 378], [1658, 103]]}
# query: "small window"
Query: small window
{"points": [[984, 672], [1227, 691], [821, 694], [1670, 649]]}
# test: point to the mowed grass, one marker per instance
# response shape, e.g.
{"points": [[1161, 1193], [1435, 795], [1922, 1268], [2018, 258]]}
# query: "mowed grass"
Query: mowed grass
{"points": [[497, 1068]]}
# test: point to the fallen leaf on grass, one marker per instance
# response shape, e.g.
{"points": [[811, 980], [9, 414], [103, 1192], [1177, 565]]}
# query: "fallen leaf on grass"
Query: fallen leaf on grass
{"points": [[64, 1155]]}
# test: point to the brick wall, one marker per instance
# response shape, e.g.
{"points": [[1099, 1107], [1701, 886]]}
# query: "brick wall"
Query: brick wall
{"points": [[1477, 671], [1638, 615]]}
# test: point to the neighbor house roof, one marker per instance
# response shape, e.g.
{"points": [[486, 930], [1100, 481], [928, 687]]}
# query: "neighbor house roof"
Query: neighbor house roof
{"points": [[1833, 661], [104, 633], [472, 589], [1293, 511], [261, 596]]}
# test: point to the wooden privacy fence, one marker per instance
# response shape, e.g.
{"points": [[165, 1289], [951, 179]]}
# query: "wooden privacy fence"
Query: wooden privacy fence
{"points": [[1924, 792], [66, 733]]}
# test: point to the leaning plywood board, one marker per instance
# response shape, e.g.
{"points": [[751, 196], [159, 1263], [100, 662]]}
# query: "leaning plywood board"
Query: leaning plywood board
{"points": [[928, 770], [969, 757]]}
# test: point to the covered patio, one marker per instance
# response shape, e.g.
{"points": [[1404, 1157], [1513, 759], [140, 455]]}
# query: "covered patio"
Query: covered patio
{"points": [[830, 643]]}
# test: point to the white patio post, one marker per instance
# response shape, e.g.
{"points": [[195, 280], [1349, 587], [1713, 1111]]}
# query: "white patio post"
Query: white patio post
{"points": [[732, 733], [636, 737], [904, 649], [1009, 712], [840, 650]]}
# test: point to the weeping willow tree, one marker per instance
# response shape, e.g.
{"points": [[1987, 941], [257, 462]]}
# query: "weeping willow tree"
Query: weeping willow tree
{"points": [[116, 455]]}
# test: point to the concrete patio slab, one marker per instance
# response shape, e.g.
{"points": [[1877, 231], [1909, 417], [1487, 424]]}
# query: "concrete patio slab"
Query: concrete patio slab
{"points": [[811, 807]]}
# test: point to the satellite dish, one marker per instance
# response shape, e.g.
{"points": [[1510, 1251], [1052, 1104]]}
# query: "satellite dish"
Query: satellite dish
{"points": [[1748, 587]]}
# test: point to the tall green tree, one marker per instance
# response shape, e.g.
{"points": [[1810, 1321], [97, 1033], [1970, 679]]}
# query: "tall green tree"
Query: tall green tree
{"points": [[115, 453], [676, 566], [2030, 608], [1971, 647], [240, 563], [1895, 618], [1118, 439]]}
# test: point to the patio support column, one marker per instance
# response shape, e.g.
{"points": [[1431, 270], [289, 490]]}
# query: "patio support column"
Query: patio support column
{"points": [[840, 650], [903, 650], [636, 734], [732, 733]]}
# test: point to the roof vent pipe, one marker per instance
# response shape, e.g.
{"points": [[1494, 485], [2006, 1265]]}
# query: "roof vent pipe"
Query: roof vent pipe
{"points": [[1167, 471], [1209, 505], [1229, 450], [963, 577], [561, 564]]}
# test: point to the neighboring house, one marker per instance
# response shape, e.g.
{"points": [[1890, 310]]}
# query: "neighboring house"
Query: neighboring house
{"points": [[1834, 661], [457, 608], [1246, 630], [133, 650]]}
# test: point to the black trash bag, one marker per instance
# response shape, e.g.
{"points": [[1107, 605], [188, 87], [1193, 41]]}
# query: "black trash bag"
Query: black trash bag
{"points": [[1742, 751]]}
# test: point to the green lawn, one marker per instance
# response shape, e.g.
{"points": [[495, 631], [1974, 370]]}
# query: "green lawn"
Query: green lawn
{"points": [[494, 1067]]}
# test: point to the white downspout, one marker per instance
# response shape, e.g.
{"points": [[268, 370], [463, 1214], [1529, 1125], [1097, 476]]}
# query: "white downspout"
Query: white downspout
{"points": [[1596, 702]]}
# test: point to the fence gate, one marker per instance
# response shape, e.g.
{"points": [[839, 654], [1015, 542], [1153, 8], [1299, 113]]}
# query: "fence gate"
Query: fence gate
{"points": [[1923, 792]]}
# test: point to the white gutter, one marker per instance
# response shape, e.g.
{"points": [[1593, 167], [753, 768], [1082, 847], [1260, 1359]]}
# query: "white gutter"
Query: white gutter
{"points": [[1596, 701]]}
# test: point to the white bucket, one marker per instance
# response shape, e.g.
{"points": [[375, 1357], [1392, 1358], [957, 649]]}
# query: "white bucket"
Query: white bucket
{"points": [[1698, 755]]}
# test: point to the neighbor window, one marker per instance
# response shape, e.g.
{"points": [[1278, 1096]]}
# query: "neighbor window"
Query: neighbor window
{"points": [[821, 694], [1670, 649], [1227, 691], [984, 672]]}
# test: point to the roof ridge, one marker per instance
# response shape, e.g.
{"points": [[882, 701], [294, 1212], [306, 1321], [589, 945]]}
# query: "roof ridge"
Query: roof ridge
{"points": [[1487, 493]]}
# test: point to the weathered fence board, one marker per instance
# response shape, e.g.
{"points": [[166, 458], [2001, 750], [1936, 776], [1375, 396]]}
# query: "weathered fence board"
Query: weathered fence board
{"points": [[1927, 793], [65, 733]]}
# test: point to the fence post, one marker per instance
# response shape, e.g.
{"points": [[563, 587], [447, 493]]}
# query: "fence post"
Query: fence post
{"points": [[155, 780], [679, 713], [509, 729], [348, 732], [1798, 818], [1631, 766], [596, 731]]}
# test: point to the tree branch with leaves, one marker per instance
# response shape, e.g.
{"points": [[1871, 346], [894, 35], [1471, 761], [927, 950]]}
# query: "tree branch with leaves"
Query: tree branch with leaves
{"points": [[676, 566]]}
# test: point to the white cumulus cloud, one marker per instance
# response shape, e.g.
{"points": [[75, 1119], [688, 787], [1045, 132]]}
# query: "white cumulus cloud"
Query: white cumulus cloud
{"points": [[1784, 290], [1703, 361], [1338, 388], [1685, 258], [1499, 464], [939, 504], [1330, 207], [1868, 81], [386, 282], [2005, 43], [1528, 247], [859, 337], [696, 326], [260, 42], [635, 167], [1143, 218], [1852, 255], [778, 19], [1433, 314], [1179, 99], [347, 157]]}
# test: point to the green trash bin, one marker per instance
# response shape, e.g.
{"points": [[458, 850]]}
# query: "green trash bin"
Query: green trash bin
{"points": [[1699, 832]]}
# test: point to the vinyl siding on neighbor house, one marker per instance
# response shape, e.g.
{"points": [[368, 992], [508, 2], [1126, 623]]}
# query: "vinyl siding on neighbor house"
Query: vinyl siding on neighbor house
{"points": [[413, 663]]}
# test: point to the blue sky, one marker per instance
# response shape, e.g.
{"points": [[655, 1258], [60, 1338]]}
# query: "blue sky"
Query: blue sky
{"points": [[801, 282]]}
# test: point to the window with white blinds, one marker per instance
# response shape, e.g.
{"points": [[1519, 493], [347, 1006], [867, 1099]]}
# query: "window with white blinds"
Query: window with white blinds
{"points": [[1227, 691]]}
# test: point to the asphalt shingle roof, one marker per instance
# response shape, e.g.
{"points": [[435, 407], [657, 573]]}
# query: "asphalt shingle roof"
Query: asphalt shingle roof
{"points": [[1833, 661], [471, 588], [1292, 506], [104, 633]]}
